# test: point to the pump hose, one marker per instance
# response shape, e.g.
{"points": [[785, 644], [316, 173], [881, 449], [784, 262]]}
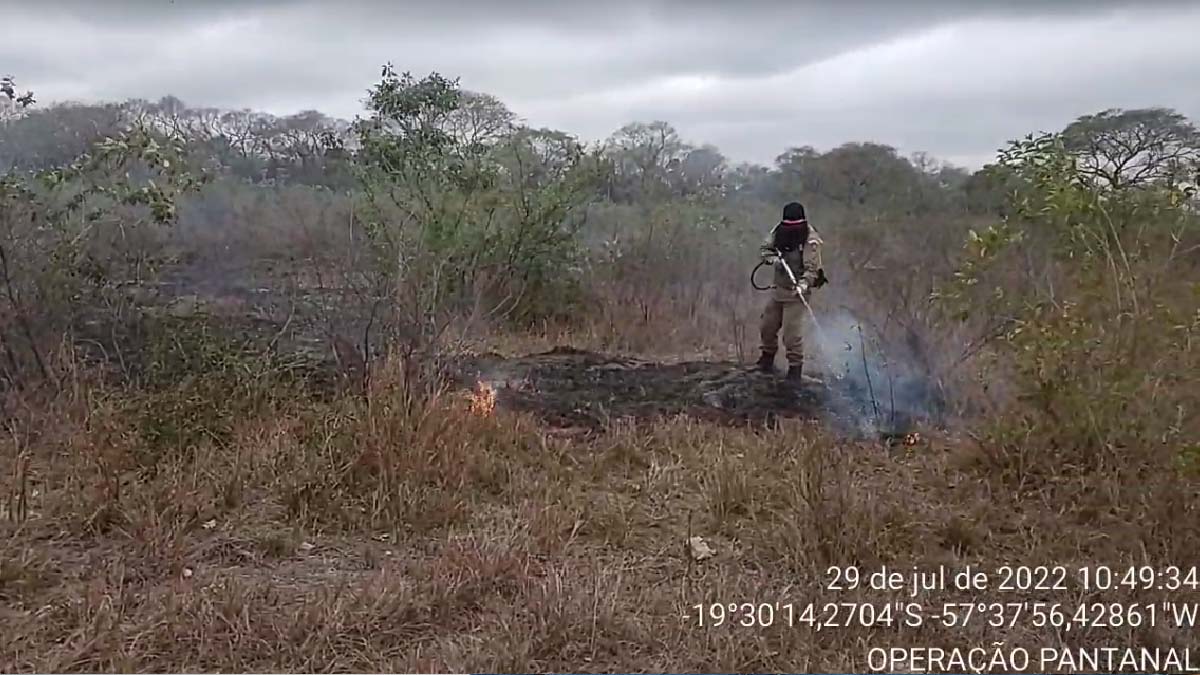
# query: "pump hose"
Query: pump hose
{"points": [[754, 272]]}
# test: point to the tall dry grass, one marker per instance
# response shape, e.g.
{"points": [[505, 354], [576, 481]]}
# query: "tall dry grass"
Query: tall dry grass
{"points": [[369, 533]]}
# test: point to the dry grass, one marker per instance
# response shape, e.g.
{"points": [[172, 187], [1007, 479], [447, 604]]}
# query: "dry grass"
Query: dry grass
{"points": [[371, 535]]}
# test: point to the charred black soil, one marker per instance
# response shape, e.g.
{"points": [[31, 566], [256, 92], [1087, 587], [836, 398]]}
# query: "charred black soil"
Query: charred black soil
{"points": [[572, 388]]}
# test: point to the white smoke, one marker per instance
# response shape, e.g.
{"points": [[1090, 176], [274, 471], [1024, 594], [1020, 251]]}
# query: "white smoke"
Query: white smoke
{"points": [[874, 391]]}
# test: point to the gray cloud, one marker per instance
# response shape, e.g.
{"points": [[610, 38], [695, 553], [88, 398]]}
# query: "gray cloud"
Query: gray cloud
{"points": [[957, 79]]}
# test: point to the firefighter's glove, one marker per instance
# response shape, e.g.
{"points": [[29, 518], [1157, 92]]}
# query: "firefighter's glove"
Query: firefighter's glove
{"points": [[802, 287]]}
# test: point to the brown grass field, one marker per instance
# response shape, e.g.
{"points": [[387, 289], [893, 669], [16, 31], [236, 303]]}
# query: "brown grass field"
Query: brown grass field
{"points": [[266, 528]]}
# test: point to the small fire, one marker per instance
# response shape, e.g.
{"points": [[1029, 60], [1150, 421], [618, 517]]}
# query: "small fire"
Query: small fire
{"points": [[482, 400], [912, 439]]}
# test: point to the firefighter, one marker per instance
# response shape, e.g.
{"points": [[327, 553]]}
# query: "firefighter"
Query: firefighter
{"points": [[792, 241]]}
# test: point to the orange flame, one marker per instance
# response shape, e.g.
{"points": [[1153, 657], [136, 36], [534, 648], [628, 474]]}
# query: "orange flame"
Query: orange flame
{"points": [[482, 400]]}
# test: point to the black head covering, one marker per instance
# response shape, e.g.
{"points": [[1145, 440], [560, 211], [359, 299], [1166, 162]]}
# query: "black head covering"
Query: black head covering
{"points": [[793, 211], [792, 231]]}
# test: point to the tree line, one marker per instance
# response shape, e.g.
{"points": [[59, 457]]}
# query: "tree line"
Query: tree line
{"points": [[455, 207], [641, 161]]}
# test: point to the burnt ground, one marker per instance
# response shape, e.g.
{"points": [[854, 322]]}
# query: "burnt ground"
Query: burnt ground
{"points": [[571, 388], [568, 388]]}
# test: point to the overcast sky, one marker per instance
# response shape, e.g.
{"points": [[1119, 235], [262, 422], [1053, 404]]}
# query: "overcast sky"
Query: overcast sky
{"points": [[951, 77]]}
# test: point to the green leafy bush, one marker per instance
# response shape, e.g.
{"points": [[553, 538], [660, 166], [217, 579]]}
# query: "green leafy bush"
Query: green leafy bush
{"points": [[1101, 348]]}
